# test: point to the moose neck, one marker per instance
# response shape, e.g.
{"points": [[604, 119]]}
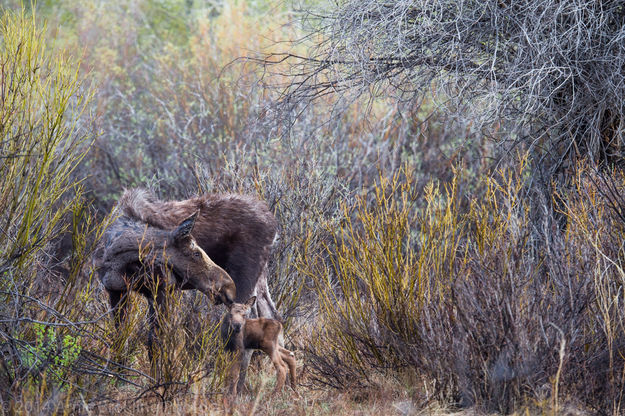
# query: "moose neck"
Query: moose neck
{"points": [[129, 241]]}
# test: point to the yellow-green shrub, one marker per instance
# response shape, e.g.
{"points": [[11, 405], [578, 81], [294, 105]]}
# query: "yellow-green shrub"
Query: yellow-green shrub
{"points": [[487, 301], [42, 101], [41, 144]]}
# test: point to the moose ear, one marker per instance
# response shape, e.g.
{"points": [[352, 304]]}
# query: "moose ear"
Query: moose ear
{"points": [[183, 231], [250, 302]]}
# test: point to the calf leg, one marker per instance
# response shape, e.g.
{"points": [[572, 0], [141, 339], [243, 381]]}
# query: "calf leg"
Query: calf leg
{"points": [[246, 356], [234, 374], [233, 377], [289, 359], [280, 369]]}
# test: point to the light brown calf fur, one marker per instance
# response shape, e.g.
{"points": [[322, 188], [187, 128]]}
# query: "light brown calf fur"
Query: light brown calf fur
{"points": [[262, 334]]}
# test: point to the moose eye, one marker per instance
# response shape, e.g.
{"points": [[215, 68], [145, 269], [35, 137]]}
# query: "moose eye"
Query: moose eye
{"points": [[196, 254]]}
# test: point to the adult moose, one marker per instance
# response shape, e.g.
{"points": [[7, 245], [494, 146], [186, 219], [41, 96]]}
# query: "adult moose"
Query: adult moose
{"points": [[235, 231], [139, 257]]}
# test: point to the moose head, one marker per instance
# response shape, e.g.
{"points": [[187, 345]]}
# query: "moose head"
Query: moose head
{"points": [[193, 269], [237, 314]]}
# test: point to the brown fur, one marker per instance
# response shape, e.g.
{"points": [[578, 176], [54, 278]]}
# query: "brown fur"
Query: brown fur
{"points": [[261, 334], [236, 231], [145, 259], [129, 247]]}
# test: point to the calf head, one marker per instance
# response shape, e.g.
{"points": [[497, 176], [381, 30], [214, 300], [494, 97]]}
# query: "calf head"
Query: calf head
{"points": [[192, 267], [237, 313]]}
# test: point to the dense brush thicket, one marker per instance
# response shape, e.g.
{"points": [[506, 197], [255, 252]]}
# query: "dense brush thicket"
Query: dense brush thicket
{"points": [[485, 303], [549, 71], [40, 146], [409, 249]]}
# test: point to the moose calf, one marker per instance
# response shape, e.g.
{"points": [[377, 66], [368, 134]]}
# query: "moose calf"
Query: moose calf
{"points": [[262, 334]]}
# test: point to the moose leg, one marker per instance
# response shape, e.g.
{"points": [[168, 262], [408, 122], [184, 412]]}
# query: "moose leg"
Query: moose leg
{"points": [[235, 371], [118, 306], [153, 321], [246, 356], [289, 359], [118, 303], [264, 303], [153, 333], [280, 369], [233, 378]]}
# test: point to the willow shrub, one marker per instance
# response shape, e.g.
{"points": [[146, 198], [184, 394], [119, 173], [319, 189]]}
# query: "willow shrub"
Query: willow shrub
{"points": [[372, 281], [483, 301], [41, 143], [42, 98]]}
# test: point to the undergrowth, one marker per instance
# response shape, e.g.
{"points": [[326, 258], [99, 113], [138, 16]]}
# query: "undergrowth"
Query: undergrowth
{"points": [[492, 307], [411, 273]]}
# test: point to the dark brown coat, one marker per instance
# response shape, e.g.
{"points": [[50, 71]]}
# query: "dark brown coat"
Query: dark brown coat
{"points": [[139, 257], [136, 256]]}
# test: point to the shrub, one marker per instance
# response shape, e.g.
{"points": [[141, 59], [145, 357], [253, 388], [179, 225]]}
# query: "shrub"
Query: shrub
{"points": [[486, 304], [41, 143], [541, 74]]}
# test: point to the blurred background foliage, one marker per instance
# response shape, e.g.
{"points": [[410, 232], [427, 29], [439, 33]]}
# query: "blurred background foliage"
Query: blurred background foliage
{"points": [[411, 246]]}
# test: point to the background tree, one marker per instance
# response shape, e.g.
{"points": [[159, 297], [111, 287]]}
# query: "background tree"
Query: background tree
{"points": [[544, 74]]}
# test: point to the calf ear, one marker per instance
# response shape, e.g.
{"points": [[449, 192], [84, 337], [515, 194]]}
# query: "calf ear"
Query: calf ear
{"points": [[183, 232], [250, 302]]}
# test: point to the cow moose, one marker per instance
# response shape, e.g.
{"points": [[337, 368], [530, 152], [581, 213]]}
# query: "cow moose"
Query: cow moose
{"points": [[147, 259], [235, 231]]}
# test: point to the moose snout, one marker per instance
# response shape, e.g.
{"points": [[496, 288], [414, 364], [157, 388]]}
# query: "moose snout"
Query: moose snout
{"points": [[228, 293], [218, 286], [236, 327], [225, 291]]}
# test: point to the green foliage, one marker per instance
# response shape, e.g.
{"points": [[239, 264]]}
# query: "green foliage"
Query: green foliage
{"points": [[50, 358], [40, 145], [165, 20]]}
